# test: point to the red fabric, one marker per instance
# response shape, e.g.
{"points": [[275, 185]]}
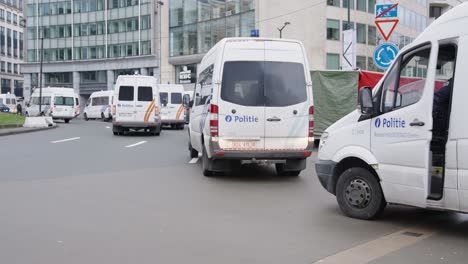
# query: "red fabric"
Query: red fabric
{"points": [[367, 78]]}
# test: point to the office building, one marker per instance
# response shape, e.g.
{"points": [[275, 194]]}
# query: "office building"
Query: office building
{"points": [[11, 46], [194, 26], [438, 7], [87, 44]]}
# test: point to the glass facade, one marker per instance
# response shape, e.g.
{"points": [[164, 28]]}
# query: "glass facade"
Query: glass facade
{"points": [[197, 25], [121, 30]]}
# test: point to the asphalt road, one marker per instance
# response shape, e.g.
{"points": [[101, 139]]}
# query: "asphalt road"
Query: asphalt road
{"points": [[78, 194]]}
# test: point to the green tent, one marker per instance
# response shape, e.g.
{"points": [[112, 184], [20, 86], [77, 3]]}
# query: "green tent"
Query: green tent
{"points": [[335, 96]]}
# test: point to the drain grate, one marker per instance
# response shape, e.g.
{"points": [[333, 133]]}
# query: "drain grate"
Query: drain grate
{"points": [[412, 234]]}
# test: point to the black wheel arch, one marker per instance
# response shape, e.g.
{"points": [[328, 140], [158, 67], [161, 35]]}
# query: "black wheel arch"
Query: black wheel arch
{"points": [[348, 163]]}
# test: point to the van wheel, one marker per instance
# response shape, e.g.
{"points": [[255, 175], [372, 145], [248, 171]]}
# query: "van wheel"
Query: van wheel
{"points": [[67, 121], [359, 194], [116, 133], [206, 162], [85, 117], [280, 171]]}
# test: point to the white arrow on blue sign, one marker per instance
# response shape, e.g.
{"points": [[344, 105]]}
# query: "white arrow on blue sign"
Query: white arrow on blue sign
{"points": [[385, 54], [386, 11]]}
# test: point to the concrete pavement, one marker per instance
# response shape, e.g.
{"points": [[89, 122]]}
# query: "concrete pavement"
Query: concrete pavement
{"points": [[78, 194]]}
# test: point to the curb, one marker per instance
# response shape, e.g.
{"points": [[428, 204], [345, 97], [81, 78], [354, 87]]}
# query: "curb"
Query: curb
{"points": [[11, 126], [23, 131]]}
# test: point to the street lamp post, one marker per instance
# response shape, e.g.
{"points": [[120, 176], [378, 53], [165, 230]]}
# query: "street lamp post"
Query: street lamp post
{"points": [[281, 28], [40, 75], [160, 4]]}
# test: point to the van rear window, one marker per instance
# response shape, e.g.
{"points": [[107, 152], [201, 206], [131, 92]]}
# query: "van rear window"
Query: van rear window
{"points": [[145, 93], [8, 101], [176, 98], [126, 93], [60, 100], [257, 83]]}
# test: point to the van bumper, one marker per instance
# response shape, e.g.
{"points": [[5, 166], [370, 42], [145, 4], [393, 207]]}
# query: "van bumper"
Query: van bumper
{"points": [[325, 170], [219, 153], [173, 122], [137, 124]]}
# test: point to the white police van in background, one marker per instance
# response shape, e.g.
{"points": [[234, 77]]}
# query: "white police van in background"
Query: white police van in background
{"points": [[99, 106], [57, 102], [408, 144], [9, 100], [253, 103], [173, 108], [136, 105]]}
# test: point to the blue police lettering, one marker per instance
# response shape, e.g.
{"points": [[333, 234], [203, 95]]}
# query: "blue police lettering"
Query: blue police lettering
{"points": [[393, 123], [246, 119]]}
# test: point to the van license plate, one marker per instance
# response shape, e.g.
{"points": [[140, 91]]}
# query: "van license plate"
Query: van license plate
{"points": [[244, 144]]}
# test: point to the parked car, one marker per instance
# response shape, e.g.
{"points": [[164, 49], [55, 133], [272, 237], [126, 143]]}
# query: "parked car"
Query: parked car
{"points": [[4, 108]]}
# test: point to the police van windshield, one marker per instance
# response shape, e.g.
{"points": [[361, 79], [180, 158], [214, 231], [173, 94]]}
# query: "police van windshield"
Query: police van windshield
{"points": [[60, 100], [257, 83], [176, 98]]}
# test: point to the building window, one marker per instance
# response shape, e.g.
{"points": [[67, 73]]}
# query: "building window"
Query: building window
{"points": [[361, 5], [2, 40], [93, 77], [361, 62], [9, 42], [333, 3], [333, 61], [361, 33], [435, 11], [371, 35], [371, 7], [8, 17], [58, 78], [3, 68], [333, 29], [371, 66], [345, 3], [346, 27]]}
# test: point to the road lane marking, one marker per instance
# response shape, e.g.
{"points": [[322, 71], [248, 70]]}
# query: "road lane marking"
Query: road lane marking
{"points": [[65, 140], [108, 127], [379, 247], [136, 144], [193, 161]]}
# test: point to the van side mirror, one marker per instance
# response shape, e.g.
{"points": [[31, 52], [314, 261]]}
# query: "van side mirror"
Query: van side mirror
{"points": [[190, 104], [366, 104]]}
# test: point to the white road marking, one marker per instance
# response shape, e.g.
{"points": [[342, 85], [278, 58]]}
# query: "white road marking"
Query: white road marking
{"points": [[108, 127], [65, 140], [136, 144], [193, 161], [379, 247]]}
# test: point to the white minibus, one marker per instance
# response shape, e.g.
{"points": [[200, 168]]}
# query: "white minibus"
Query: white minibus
{"points": [[99, 106], [173, 109], [408, 142], [9, 100], [253, 104], [136, 105], [59, 103]]}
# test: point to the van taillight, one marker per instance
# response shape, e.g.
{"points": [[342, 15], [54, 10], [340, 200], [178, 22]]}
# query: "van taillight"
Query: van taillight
{"points": [[214, 110], [311, 122], [51, 110], [156, 111], [114, 110]]}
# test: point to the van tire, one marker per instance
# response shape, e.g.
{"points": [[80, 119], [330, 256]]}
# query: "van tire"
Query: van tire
{"points": [[67, 121], [116, 133], [85, 116], [206, 162], [280, 171], [368, 201]]}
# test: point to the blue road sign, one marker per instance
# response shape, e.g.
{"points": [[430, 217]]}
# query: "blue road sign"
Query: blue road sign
{"points": [[385, 54], [382, 11], [255, 33]]}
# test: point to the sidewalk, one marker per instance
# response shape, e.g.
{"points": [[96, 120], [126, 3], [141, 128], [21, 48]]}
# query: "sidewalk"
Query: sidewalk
{"points": [[21, 130]]}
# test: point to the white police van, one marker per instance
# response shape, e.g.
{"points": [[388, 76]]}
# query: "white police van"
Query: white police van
{"points": [[136, 105], [99, 106], [9, 100], [57, 102], [173, 108], [408, 143], [253, 103]]}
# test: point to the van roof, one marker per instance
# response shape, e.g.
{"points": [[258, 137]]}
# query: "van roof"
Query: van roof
{"points": [[451, 24], [50, 90], [101, 93], [132, 80]]}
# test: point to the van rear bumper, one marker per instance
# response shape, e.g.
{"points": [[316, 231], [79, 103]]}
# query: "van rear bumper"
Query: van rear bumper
{"points": [[325, 170], [172, 122], [218, 153], [136, 124]]}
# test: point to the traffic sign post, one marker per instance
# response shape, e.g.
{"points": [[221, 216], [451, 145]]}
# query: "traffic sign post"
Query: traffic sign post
{"points": [[348, 59], [385, 54], [386, 19], [386, 11], [386, 27]]}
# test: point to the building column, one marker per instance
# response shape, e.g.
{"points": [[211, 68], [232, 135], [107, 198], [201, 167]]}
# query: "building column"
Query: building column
{"points": [[110, 80], [143, 71], [27, 87], [76, 82]]}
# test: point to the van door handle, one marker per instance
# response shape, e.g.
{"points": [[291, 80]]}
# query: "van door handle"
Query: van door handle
{"points": [[274, 119], [417, 123]]}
